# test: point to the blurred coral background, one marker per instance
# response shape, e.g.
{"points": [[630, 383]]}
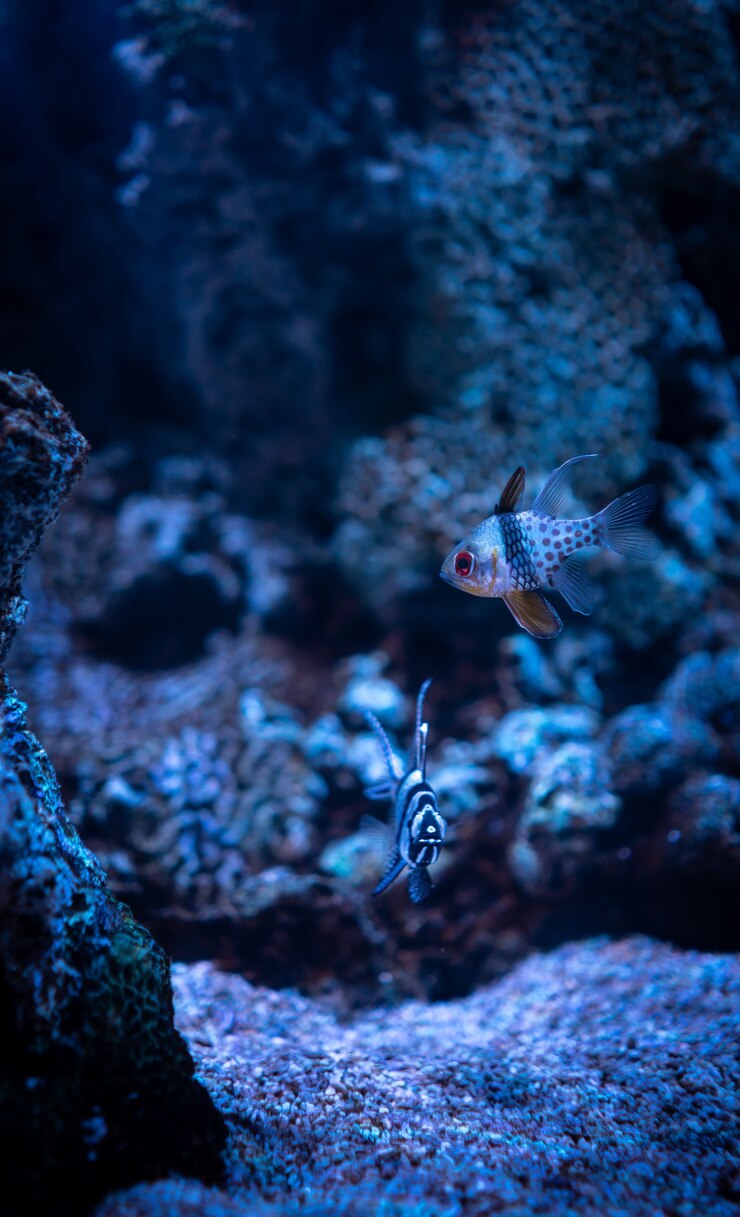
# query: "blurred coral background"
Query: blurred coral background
{"points": [[312, 279]]}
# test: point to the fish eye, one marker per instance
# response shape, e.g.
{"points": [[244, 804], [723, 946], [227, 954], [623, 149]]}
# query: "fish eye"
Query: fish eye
{"points": [[464, 563]]}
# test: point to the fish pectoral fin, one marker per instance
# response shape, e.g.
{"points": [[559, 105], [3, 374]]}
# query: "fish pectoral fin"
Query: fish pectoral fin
{"points": [[552, 495], [513, 493], [377, 832], [574, 585], [534, 613], [392, 871]]}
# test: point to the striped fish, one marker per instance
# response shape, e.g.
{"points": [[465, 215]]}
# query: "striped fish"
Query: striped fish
{"points": [[514, 554], [419, 829]]}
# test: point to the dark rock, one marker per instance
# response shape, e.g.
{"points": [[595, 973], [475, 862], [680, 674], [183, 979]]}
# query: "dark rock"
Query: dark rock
{"points": [[704, 834], [92, 1068], [42, 457], [653, 746], [95, 1083]]}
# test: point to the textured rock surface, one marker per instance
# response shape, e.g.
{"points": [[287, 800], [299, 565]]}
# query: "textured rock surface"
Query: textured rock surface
{"points": [[599, 1079], [91, 1067], [42, 456], [95, 1083], [552, 306]]}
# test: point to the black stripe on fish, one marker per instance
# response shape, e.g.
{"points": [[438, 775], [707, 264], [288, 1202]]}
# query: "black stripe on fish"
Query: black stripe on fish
{"points": [[422, 831], [518, 554], [412, 795], [419, 827]]}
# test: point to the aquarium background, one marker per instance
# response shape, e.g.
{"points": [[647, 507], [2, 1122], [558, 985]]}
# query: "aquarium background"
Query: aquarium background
{"points": [[312, 279]]}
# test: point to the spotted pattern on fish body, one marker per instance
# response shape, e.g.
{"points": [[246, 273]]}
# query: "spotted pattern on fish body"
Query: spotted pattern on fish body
{"points": [[515, 554], [548, 543]]}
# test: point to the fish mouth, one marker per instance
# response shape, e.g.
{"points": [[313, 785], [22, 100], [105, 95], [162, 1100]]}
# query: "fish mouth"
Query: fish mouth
{"points": [[448, 578]]}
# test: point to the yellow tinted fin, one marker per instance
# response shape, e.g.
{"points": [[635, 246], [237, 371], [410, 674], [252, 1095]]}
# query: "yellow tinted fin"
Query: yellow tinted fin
{"points": [[534, 613], [512, 493]]}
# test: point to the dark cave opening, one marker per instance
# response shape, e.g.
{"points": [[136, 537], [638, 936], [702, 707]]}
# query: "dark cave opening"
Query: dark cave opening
{"points": [[161, 620], [700, 210]]}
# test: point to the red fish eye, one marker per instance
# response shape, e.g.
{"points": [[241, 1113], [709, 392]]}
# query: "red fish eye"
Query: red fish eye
{"points": [[464, 563]]}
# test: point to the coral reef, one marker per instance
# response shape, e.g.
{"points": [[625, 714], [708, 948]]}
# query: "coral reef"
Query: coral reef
{"points": [[316, 278], [552, 308], [217, 766], [91, 1067], [231, 819], [598, 1079], [570, 801]]}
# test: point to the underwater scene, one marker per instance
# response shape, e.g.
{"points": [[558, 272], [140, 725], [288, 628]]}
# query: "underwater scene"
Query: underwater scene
{"points": [[369, 608]]}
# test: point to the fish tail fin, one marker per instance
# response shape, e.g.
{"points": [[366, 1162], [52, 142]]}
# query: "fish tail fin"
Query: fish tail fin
{"points": [[420, 885], [620, 525]]}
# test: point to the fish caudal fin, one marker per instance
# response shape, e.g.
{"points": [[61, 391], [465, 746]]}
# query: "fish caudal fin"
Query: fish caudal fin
{"points": [[574, 585], [621, 525], [534, 613], [420, 885], [554, 492], [392, 871]]}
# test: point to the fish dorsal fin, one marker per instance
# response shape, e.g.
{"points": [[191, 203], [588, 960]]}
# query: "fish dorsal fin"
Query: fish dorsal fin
{"points": [[550, 500], [534, 613], [417, 759], [513, 492], [390, 761], [574, 585], [395, 865]]}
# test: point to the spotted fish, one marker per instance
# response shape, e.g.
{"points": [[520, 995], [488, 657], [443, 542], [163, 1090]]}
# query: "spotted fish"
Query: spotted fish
{"points": [[514, 554], [418, 827]]}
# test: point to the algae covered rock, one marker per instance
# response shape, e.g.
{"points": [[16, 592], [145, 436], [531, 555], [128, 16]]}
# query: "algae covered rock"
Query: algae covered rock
{"points": [[597, 1079], [90, 1064], [569, 808], [95, 1083], [42, 456]]}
